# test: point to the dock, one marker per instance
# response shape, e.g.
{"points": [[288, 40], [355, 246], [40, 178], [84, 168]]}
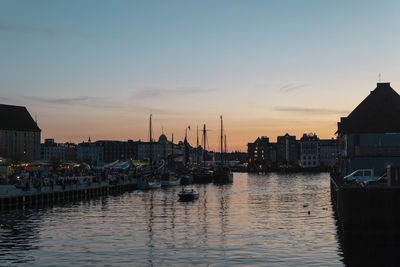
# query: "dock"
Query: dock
{"points": [[12, 198], [371, 210]]}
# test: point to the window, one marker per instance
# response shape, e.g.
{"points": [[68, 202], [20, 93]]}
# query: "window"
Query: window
{"points": [[359, 173], [367, 173]]}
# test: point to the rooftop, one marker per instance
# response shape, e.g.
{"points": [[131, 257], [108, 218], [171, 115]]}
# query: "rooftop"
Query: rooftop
{"points": [[16, 118], [377, 113]]}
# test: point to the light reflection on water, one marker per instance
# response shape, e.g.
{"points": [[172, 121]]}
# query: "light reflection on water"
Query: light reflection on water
{"points": [[257, 220]]}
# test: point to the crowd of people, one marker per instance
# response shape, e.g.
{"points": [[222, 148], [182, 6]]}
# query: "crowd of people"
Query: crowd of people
{"points": [[26, 178]]}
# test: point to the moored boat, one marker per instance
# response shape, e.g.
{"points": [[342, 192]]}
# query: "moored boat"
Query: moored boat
{"points": [[146, 184], [203, 176], [186, 179], [170, 179], [223, 175], [188, 195]]}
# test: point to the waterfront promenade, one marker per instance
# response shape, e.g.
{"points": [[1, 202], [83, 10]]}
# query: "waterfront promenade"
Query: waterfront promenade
{"points": [[66, 189]]}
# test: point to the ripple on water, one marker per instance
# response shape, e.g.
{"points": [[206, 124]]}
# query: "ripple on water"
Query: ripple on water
{"points": [[258, 220]]}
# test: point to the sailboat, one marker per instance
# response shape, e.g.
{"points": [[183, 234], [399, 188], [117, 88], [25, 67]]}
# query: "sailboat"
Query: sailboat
{"points": [[203, 175], [148, 180], [222, 174]]}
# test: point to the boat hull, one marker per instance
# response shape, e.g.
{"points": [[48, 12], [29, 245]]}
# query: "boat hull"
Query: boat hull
{"points": [[145, 185], [223, 177], [202, 178], [188, 196], [170, 183], [187, 179]]}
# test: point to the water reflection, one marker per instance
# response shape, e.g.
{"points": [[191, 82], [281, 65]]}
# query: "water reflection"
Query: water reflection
{"points": [[257, 220], [379, 248], [19, 234]]}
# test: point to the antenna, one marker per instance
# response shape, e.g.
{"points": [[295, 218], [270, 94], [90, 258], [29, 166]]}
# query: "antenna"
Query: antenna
{"points": [[380, 77]]}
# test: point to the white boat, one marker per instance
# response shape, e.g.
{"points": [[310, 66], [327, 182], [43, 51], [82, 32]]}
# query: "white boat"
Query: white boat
{"points": [[187, 195], [145, 184], [154, 185]]}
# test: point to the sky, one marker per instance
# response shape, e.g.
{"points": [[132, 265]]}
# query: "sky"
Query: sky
{"points": [[99, 68]]}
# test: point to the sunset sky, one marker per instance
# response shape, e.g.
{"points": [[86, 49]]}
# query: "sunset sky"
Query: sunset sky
{"points": [[99, 68]]}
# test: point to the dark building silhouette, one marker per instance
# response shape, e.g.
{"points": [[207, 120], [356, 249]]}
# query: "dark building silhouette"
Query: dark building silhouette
{"points": [[61, 151], [19, 134], [287, 150], [90, 153], [369, 137], [259, 153], [118, 150], [328, 152]]}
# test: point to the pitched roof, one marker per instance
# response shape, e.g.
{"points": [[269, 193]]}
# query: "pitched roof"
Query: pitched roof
{"points": [[379, 112], [16, 118]]}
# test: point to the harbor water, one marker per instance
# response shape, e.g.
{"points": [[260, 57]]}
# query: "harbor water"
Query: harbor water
{"points": [[260, 219]]}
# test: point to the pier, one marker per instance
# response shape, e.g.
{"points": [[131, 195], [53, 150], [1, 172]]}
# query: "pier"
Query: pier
{"points": [[12, 198]]}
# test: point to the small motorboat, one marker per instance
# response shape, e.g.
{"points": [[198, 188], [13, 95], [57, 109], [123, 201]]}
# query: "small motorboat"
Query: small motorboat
{"points": [[188, 195]]}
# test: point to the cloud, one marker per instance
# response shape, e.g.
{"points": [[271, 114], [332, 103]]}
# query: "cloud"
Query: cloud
{"points": [[4, 99], [81, 100], [311, 110], [25, 29], [287, 88], [153, 92]]}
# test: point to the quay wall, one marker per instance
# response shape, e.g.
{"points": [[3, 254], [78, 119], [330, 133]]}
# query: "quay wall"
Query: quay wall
{"points": [[367, 211], [12, 197]]}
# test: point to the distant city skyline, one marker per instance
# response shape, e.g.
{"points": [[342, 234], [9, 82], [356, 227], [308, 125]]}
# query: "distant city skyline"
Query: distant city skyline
{"points": [[99, 68]]}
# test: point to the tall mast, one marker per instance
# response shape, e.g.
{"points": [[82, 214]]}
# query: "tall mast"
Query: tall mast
{"points": [[197, 144], [204, 141], [222, 139], [172, 149], [225, 148], [151, 144]]}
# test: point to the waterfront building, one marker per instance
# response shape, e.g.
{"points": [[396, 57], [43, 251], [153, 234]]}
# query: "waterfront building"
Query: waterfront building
{"points": [[162, 149], [328, 152], [143, 152], [90, 153], [259, 153], [287, 152], [70, 151], [309, 151], [118, 150], [19, 134], [369, 137], [61, 151], [52, 150]]}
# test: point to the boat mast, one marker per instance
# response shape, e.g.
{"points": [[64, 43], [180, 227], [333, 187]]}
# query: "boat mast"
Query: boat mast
{"points": [[204, 141], [222, 140], [151, 144], [197, 145], [225, 145], [172, 149]]}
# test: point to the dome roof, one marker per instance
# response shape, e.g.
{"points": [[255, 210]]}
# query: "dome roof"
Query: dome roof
{"points": [[162, 139]]}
